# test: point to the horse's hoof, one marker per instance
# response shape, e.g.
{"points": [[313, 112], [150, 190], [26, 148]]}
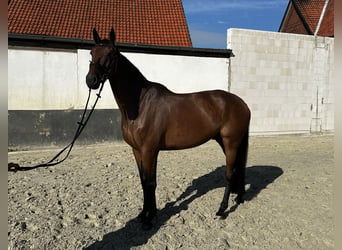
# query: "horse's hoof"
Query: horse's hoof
{"points": [[239, 200], [220, 213]]}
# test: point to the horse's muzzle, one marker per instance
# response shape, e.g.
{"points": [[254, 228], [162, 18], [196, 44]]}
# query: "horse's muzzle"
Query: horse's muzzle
{"points": [[92, 81]]}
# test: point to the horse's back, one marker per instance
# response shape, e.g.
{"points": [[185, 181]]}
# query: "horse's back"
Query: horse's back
{"points": [[222, 104], [187, 120], [215, 97]]}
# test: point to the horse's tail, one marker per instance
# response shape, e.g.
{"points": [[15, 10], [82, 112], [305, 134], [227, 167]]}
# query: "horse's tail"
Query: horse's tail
{"points": [[238, 179]]}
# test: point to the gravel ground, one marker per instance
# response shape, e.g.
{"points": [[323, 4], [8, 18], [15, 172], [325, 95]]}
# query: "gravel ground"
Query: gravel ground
{"points": [[91, 200]]}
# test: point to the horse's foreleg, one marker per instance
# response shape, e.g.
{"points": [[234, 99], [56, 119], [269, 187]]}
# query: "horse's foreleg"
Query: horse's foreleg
{"points": [[230, 151], [147, 164]]}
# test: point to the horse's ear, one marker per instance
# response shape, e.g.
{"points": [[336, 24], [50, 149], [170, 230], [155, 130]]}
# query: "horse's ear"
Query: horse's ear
{"points": [[112, 36], [96, 36]]}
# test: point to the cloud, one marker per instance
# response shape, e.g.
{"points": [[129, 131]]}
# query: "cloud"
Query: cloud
{"points": [[212, 6], [207, 39]]}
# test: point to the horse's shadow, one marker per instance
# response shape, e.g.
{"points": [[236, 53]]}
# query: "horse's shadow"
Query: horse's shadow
{"points": [[132, 235]]}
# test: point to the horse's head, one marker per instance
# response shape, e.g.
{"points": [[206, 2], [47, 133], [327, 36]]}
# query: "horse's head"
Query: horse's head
{"points": [[104, 59]]}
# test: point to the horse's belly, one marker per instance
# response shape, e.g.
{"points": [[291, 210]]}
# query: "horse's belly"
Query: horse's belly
{"points": [[183, 144], [188, 134]]}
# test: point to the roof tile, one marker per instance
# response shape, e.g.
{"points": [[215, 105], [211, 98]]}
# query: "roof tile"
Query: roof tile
{"points": [[303, 17], [156, 22]]}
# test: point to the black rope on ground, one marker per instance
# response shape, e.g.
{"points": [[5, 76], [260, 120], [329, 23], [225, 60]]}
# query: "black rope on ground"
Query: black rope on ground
{"points": [[14, 167]]}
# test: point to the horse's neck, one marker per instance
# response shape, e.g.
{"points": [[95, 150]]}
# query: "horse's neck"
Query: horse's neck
{"points": [[128, 84]]}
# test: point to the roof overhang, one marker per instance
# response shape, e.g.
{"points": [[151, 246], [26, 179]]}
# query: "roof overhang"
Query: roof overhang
{"points": [[25, 40]]}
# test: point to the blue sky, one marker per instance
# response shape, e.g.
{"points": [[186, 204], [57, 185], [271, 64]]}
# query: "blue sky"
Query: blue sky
{"points": [[209, 20]]}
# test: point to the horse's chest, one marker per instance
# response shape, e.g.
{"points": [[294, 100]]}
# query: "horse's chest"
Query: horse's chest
{"points": [[129, 133]]}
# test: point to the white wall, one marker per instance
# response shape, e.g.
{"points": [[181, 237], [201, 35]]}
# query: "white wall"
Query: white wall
{"points": [[53, 79], [41, 79], [183, 74], [286, 79], [278, 75]]}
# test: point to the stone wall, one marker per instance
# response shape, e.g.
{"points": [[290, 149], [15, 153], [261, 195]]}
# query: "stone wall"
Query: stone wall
{"points": [[286, 79]]}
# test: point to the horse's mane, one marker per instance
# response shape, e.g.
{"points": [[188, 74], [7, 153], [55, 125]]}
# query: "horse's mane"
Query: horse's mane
{"points": [[132, 72], [133, 81]]}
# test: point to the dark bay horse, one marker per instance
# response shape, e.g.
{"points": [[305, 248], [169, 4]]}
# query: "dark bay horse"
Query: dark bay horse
{"points": [[154, 119]]}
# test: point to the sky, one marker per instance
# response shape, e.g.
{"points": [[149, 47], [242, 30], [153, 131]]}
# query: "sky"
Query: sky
{"points": [[208, 20]]}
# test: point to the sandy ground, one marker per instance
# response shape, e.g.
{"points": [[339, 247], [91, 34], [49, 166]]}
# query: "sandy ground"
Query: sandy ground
{"points": [[91, 200]]}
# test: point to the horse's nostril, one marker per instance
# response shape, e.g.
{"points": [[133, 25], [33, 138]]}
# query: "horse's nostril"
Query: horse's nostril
{"points": [[91, 79]]}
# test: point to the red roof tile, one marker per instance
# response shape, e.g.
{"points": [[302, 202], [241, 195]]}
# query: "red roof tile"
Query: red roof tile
{"points": [[302, 17], [293, 23], [327, 25], [156, 22]]}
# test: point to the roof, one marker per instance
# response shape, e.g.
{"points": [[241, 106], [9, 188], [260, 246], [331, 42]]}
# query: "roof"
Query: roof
{"points": [[155, 22], [309, 17]]}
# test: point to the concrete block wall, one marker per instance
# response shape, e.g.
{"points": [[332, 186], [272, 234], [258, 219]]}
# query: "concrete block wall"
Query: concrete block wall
{"points": [[286, 79]]}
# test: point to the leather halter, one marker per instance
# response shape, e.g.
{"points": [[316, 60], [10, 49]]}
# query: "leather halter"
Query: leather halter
{"points": [[103, 71]]}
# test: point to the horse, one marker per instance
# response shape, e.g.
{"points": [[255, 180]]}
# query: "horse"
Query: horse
{"points": [[153, 118]]}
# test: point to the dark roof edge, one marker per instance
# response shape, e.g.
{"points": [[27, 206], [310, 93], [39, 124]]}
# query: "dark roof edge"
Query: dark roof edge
{"points": [[42, 41], [284, 16], [306, 25]]}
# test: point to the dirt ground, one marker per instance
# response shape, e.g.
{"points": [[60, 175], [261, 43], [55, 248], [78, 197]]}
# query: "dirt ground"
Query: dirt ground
{"points": [[91, 200]]}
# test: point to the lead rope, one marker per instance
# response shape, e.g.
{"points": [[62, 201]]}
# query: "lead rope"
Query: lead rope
{"points": [[14, 167]]}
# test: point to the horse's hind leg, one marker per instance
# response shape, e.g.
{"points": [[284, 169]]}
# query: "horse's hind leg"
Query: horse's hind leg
{"points": [[218, 139], [240, 169], [230, 151]]}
